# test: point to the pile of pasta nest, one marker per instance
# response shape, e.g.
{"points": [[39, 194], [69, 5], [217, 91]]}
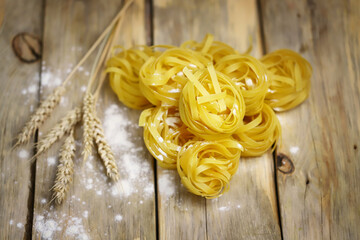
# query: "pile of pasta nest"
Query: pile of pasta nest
{"points": [[205, 105]]}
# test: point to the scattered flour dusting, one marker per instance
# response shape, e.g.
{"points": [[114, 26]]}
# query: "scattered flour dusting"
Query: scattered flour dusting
{"points": [[86, 214], [43, 201], [134, 167], [11, 222], [224, 208], [118, 218], [49, 224], [227, 206], [30, 89], [167, 185], [20, 225], [83, 88], [294, 149], [76, 229], [46, 228], [89, 184], [51, 161], [49, 79], [23, 153], [122, 188], [116, 128]]}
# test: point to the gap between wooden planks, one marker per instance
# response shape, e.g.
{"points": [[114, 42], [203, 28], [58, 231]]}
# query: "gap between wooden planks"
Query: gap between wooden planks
{"points": [[18, 98], [321, 199]]}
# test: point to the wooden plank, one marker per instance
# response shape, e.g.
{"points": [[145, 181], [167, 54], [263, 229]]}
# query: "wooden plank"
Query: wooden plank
{"points": [[18, 98], [2, 11], [95, 207], [248, 210], [321, 199]]}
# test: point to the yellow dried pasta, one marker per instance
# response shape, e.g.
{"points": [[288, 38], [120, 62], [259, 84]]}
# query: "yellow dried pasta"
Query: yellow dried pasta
{"points": [[206, 167], [164, 134], [289, 75], [123, 69], [207, 104], [249, 76], [210, 105], [259, 132], [161, 78], [215, 49]]}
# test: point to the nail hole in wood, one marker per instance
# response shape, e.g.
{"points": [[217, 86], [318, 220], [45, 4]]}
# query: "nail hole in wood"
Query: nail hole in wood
{"points": [[307, 181], [284, 164], [355, 146], [27, 47]]}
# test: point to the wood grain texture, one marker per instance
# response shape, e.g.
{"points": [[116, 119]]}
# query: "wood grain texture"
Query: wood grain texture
{"points": [[2, 12], [18, 98], [248, 210], [95, 207], [321, 199]]}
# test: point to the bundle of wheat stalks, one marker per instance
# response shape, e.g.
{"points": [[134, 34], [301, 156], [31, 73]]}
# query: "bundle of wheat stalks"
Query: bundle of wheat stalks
{"points": [[93, 135]]}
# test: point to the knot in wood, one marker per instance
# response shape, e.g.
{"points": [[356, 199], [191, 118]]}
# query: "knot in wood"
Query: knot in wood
{"points": [[27, 47], [284, 164]]}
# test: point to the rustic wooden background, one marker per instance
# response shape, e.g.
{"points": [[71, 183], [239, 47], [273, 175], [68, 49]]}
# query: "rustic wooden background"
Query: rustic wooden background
{"points": [[319, 200]]}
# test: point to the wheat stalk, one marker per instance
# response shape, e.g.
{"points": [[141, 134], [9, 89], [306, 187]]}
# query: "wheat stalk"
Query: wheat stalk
{"points": [[41, 114], [88, 121], [59, 130], [104, 150], [65, 169]]}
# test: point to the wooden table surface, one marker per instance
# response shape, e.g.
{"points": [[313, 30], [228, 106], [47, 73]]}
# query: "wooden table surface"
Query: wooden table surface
{"points": [[319, 200]]}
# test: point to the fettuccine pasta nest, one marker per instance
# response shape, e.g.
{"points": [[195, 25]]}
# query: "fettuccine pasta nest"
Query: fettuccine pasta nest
{"points": [[205, 105]]}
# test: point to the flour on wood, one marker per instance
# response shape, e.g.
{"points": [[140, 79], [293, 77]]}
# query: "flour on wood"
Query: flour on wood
{"points": [[118, 218], [24, 154], [167, 185], [51, 161], [46, 225]]}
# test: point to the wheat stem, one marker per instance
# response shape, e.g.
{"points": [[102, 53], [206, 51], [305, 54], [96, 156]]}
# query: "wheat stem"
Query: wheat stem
{"points": [[42, 113], [106, 54], [59, 130], [98, 41], [65, 169]]}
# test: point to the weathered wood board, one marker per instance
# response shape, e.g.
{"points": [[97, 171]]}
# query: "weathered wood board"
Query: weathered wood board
{"points": [[321, 199], [18, 98]]}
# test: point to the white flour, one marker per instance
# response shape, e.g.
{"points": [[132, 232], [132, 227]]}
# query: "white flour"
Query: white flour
{"points": [[51, 161], [116, 126], [167, 185], [48, 225], [23, 154], [118, 218]]}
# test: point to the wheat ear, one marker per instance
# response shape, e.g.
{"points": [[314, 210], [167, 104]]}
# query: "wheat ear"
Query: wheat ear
{"points": [[59, 130], [88, 121], [104, 150], [42, 113], [65, 169]]}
